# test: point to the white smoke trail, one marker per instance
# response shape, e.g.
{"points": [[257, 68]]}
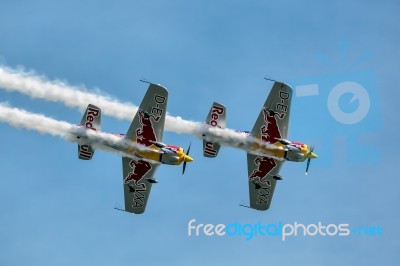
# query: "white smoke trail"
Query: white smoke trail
{"points": [[56, 91], [22, 119], [79, 97]]}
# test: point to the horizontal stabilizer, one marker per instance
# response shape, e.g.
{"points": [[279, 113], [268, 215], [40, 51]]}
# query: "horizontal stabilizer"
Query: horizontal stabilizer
{"points": [[91, 120], [85, 152], [216, 118]]}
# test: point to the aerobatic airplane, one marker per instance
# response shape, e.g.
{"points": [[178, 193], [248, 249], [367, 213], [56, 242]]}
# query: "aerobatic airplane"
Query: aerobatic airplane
{"points": [[146, 129], [266, 161]]}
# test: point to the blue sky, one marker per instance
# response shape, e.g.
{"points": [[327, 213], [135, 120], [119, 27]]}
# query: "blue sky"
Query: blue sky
{"points": [[58, 210]]}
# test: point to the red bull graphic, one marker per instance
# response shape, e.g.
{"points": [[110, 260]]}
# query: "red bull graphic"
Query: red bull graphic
{"points": [[265, 166], [270, 132], [90, 115], [84, 152], [216, 111], [209, 149], [146, 134], [139, 170]]}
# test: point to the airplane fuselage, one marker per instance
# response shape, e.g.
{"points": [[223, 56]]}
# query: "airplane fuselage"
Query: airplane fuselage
{"points": [[157, 151], [284, 149]]}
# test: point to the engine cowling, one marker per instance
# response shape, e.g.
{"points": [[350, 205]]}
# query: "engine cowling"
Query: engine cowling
{"points": [[284, 141], [168, 158]]}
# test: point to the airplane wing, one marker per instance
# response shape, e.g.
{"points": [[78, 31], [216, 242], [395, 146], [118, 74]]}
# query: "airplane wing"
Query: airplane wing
{"points": [[148, 124], [273, 120], [137, 176], [146, 128], [261, 172], [271, 125]]}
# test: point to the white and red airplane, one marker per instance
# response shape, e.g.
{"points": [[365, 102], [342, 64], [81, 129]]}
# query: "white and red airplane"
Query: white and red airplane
{"points": [[146, 129], [271, 128]]}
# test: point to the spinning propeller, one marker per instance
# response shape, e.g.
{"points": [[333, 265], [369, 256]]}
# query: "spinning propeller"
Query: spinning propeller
{"points": [[310, 155], [186, 158]]}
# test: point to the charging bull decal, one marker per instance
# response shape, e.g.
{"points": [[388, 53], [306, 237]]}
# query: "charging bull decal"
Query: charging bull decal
{"points": [[270, 132], [146, 134], [265, 166], [139, 170]]}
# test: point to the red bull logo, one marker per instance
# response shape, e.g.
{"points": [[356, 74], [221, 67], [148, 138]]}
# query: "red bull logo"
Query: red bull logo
{"points": [[90, 115], [139, 170], [146, 134], [216, 111], [84, 152], [209, 149], [265, 166], [270, 133]]}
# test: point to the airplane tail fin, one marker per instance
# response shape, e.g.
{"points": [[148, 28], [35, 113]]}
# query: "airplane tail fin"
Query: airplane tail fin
{"points": [[216, 118], [91, 120]]}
